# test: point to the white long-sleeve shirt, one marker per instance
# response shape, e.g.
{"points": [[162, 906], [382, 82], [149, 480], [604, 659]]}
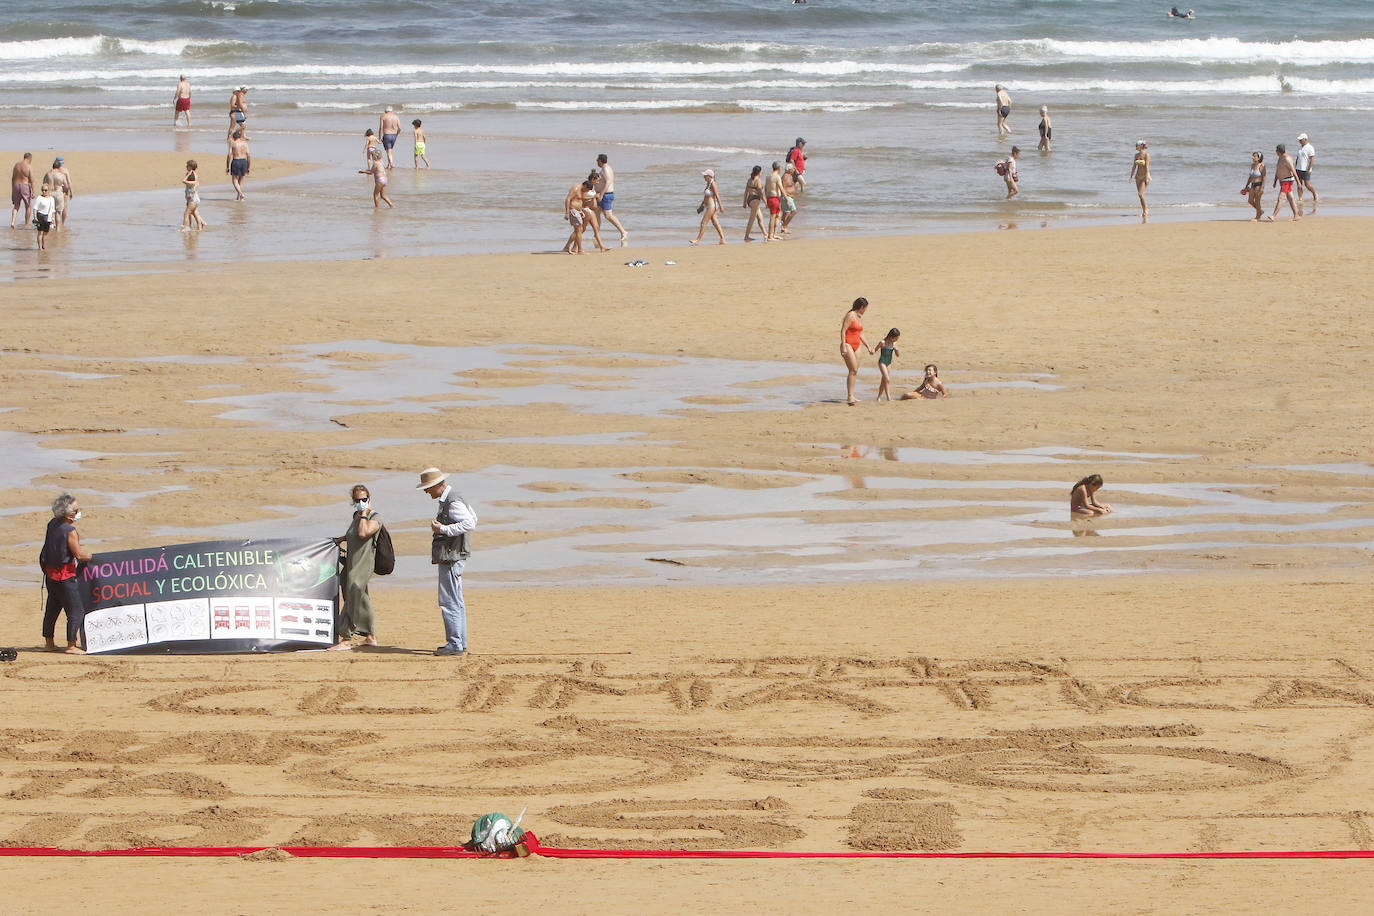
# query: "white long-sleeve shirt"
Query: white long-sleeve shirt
{"points": [[467, 519]]}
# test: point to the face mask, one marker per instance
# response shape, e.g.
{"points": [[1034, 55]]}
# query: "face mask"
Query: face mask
{"points": [[77, 516], [360, 505]]}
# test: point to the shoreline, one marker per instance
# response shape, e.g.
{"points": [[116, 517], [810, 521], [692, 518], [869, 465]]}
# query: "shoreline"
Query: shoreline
{"points": [[491, 194]]}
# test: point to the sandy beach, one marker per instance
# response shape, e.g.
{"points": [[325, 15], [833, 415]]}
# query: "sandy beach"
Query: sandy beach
{"points": [[1190, 673]]}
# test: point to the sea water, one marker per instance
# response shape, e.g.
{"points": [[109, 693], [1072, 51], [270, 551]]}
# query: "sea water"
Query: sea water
{"points": [[895, 99]]}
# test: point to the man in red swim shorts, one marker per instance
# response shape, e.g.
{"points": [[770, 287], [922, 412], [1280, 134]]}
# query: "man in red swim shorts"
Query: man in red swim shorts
{"points": [[181, 102], [1285, 174], [772, 193]]}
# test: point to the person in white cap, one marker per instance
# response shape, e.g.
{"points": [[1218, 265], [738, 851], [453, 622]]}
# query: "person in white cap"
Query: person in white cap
{"points": [[1306, 158], [390, 128], [1003, 111], [1046, 128], [449, 551], [238, 108], [710, 206]]}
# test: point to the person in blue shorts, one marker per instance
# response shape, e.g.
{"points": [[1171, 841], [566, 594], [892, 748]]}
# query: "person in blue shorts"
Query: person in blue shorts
{"points": [[390, 128], [605, 195]]}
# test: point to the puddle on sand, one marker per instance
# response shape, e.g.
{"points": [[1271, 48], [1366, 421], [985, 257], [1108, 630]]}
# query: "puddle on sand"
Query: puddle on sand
{"points": [[1039, 455], [646, 385], [614, 524], [25, 460]]}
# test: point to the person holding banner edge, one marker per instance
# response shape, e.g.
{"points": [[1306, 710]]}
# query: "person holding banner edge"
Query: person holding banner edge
{"points": [[360, 550], [449, 551], [61, 553]]}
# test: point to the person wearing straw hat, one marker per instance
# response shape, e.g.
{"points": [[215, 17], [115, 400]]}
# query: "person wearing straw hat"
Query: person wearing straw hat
{"points": [[449, 551]]}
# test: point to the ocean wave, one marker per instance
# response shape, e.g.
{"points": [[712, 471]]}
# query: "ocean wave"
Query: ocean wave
{"points": [[1187, 50], [716, 105], [95, 45]]}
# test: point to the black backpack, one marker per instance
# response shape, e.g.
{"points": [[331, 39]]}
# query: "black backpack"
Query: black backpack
{"points": [[384, 560]]}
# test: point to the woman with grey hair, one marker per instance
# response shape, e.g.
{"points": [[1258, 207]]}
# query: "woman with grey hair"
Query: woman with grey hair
{"points": [[61, 553]]}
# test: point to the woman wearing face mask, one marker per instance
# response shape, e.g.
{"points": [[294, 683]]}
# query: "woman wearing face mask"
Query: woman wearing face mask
{"points": [[61, 553], [360, 544]]}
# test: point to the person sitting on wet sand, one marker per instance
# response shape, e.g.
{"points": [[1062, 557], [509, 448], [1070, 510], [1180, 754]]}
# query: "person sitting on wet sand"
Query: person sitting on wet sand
{"points": [[930, 388], [1083, 497]]}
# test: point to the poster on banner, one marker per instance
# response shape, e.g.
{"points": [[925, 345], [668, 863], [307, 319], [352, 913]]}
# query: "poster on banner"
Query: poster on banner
{"points": [[213, 596]]}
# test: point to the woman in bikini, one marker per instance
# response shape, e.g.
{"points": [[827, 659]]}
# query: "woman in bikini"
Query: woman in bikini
{"points": [[710, 207], [1140, 174], [1254, 185], [753, 199], [1083, 498], [851, 339], [589, 212]]}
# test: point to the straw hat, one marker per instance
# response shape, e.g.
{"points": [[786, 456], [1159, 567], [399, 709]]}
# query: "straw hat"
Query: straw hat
{"points": [[429, 477]]}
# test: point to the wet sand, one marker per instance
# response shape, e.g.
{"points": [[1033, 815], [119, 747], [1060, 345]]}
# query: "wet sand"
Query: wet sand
{"points": [[1210, 693]]}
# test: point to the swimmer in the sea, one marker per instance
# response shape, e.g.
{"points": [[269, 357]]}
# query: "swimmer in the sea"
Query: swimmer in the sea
{"points": [[1083, 497]]}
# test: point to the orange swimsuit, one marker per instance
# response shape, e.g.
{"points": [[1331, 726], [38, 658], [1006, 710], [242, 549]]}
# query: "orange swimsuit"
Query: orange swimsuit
{"points": [[854, 333]]}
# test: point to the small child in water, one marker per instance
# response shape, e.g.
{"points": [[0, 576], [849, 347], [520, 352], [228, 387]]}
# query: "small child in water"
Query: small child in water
{"points": [[378, 173], [419, 144], [930, 388], [886, 351]]}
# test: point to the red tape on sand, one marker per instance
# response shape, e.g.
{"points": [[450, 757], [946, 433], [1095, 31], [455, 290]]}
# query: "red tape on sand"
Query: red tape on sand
{"points": [[556, 852]]}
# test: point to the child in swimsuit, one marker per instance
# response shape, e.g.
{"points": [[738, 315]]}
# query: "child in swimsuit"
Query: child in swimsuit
{"points": [[1083, 497], [419, 144], [378, 173], [930, 388], [886, 351]]}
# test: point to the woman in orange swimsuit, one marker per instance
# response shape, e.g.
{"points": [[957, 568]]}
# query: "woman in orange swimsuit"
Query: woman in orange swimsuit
{"points": [[851, 339]]}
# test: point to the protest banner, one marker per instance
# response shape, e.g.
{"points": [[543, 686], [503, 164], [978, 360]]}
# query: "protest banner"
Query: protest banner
{"points": [[214, 596]]}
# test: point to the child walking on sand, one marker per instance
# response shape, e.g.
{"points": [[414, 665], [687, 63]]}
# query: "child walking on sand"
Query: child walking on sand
{"points": [[44, 211], [419, 144], [886, 351], [191, 218], [378, 173]]}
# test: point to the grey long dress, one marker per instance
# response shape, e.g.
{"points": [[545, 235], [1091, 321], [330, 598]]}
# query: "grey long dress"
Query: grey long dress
{"points": [[355, 619]]}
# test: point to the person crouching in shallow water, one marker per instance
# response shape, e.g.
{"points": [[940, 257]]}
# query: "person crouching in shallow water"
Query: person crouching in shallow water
{"points": [[1083, 497], [360, 555], [61, 553]]}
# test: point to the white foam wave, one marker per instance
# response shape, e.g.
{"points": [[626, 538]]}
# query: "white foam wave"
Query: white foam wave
{"points": [[44, 48], [1214, 50], [39, 48]]}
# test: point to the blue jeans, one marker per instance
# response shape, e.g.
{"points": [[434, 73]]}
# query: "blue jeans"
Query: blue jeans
{"points": [[451, 606]]}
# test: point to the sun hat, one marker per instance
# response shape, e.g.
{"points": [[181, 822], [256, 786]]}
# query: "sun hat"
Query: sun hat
{"points": [[1141, 143], [429, 477], [708, 173], [1302, 136], [59, 160]]}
